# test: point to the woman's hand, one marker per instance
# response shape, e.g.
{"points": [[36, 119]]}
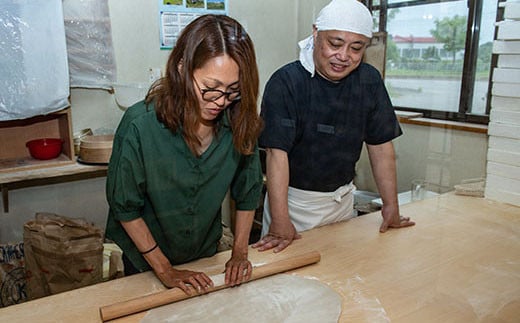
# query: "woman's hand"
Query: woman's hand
{"points": [[172, 277], [238, 270]]}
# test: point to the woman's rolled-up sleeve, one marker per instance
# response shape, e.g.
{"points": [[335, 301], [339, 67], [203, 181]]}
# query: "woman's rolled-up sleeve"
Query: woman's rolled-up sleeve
{"points": [[246, 187], [126, 177]]}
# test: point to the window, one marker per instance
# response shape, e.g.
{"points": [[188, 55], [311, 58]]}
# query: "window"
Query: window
{"points": [[439, 59]]}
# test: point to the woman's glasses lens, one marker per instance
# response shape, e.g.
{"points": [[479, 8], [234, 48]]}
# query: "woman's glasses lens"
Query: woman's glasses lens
{"points": [[214, 95]]}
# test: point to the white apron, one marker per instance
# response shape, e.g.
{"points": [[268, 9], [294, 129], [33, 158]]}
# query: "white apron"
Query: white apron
{"points": [[310, 209]]}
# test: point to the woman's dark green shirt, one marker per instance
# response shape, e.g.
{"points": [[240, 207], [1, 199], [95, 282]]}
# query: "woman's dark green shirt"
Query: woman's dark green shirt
{"points": [[153, 174]]}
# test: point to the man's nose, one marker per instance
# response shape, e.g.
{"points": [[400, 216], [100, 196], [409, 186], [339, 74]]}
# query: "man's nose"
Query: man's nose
{"points": [[343, 55]]}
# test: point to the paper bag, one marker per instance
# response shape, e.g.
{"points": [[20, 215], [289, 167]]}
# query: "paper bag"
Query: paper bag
{"points": [[61, 254]]}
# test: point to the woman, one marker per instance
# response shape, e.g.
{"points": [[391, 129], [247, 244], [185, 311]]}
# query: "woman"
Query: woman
{"points": [[176, 154]]}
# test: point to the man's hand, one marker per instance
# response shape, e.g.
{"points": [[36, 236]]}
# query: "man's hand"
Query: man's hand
{"points": [[278, 238], [392, 219]]}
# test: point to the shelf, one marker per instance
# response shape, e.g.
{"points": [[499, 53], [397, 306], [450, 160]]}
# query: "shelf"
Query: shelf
{"points": [[20, 164], [14, 155], [47, 176], [446, 124]]}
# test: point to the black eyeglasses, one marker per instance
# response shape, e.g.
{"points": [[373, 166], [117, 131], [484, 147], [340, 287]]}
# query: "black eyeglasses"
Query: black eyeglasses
{"points": [[212, 95]]}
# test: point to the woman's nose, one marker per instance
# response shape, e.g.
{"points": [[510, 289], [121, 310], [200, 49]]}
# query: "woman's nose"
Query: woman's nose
{"points": [[221, 102]]}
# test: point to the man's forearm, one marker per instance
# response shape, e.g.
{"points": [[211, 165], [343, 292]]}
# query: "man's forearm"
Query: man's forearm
{"points": [[277, 184], [382, 161]]}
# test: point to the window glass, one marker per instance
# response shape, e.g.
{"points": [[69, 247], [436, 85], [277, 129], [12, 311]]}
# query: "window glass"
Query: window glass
{"points": [[399, 1], [426, 49], [425, 55], [487, 30], [375, 14]]}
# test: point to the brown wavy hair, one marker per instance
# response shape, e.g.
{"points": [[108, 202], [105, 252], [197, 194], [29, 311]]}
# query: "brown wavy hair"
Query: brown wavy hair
{"points": [[174, 95]]}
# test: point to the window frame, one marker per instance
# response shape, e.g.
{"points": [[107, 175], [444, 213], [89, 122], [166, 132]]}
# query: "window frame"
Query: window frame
{"points": [[470, 58]]}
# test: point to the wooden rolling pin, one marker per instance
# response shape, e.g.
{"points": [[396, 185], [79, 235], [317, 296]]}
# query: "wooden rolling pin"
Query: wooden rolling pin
{"points": [[168, 296]]}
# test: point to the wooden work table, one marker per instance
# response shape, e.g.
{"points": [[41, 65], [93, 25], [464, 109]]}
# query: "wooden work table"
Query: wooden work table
{"points": [[460, 263]]}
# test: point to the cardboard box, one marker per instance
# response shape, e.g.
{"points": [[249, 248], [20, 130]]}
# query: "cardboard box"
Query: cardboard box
{"points": [[509, 30], [512, 10], [506, 47]]}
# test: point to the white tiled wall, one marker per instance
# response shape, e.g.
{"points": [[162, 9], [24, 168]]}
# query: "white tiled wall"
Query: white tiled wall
{"points": [[503, 160]]}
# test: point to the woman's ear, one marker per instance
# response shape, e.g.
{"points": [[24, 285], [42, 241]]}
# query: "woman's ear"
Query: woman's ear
{"points": [[179, 66]]}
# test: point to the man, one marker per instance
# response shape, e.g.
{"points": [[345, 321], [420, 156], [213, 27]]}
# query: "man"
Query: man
{"points": [[318, 112]]}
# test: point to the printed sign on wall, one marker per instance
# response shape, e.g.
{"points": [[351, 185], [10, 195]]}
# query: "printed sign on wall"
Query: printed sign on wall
{"points": [[174, 15]]}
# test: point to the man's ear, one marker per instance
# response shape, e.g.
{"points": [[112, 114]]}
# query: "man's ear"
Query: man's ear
{"points": [[314, 32]]}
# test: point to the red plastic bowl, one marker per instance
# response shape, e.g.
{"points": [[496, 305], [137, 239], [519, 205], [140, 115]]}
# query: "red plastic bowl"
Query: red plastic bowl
{"points": [[45, 148]]}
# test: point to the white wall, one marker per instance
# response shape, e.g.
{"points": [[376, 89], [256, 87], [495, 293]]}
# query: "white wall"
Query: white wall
{"points": [[275, 27], [307, 12]]}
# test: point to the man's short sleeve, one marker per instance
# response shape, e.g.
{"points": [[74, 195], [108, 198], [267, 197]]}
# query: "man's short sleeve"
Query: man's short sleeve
{"points": [[278, 113]]}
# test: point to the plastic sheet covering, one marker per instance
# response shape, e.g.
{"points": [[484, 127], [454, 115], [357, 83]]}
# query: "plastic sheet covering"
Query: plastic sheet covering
{"points": [[34, 76], [89, 43]]}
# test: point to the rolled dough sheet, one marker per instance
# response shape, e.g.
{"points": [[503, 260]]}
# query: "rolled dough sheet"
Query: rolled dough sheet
{"points": [[279, 298]]}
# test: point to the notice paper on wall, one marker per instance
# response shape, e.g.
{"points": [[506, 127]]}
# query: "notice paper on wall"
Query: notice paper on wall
{"points": [[174, 15]]}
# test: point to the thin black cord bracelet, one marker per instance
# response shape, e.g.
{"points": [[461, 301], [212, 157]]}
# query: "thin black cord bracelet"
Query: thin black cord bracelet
{"points": [[150, 250]]}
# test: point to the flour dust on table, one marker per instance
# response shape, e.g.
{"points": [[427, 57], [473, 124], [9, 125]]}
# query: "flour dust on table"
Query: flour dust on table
{"points": [[280, 298]]}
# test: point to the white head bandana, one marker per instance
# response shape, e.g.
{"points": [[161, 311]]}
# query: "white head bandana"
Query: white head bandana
{"points": [[344, 15]]}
